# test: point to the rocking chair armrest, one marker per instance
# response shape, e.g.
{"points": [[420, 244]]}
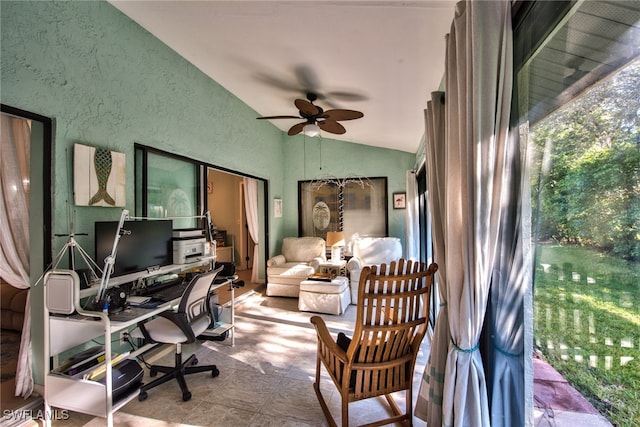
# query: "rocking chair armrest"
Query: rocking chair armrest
{"points": [[325, 338]]}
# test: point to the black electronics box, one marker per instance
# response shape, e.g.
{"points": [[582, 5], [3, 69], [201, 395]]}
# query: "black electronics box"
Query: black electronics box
{"points": [[220, 237], [127, 377]]}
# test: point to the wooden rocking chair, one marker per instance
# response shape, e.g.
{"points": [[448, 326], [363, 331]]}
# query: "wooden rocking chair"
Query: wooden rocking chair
{"points": [[391, 321]]}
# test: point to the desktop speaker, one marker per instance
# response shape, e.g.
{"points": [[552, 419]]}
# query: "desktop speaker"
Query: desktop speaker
{"points": [[60, 287]]}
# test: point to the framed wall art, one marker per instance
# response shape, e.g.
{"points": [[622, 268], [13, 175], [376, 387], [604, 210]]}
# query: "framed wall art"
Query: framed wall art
{"points": [[98, 177], [277, 208], [353, 205], [399, 200]]}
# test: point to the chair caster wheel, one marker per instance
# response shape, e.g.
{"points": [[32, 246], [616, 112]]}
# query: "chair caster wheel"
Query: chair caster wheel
{"points": [[215, 372], [194, 362], [153, 373], [143, 396], [186, 396]]}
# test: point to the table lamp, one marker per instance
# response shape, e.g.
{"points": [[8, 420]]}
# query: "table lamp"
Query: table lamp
{"points": [[335, 239]]}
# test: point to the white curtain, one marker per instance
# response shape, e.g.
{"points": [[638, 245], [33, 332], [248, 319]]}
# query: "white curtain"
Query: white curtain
{"points": [[478, 84], [429, 403], [251, 207], [412, 230], [14, 230]]}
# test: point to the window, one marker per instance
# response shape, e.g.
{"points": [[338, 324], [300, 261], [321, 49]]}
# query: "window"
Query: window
{"points": [[167, 187], [582, 88]]}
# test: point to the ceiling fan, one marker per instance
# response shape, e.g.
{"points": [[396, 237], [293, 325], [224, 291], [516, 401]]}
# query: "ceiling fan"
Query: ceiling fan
{"points": [[315, 117]]}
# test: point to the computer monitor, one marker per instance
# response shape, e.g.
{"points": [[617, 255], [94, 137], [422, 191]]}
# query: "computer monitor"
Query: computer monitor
{"points": [[146, 245]]}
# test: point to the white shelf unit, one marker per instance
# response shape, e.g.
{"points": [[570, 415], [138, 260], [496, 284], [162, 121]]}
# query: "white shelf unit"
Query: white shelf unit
{"points": [[66, 332]]}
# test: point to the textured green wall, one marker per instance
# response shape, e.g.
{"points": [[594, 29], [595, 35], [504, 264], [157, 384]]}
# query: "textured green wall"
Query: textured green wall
{"points": [[107, 82]]}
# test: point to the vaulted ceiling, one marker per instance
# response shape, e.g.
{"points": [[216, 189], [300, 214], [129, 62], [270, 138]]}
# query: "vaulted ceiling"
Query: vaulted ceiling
{"points": [[382, 58]]}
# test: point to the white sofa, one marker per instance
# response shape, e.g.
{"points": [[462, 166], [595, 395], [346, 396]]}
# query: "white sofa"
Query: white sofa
{"points": [[368, 251], [300, 258]]}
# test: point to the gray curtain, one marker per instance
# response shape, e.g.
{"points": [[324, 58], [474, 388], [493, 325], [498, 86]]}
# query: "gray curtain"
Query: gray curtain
{"points": [[510, 282], [474, 176], [429, 403]]}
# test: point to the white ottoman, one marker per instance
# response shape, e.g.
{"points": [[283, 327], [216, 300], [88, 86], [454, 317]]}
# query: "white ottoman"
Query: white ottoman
{"points": [[324, 297]]}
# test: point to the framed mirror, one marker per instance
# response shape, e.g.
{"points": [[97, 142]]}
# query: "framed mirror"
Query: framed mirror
{"points": [[353, 205]]}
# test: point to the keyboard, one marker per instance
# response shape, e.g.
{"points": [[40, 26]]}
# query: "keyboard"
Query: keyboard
{"points": [[170, 293]]}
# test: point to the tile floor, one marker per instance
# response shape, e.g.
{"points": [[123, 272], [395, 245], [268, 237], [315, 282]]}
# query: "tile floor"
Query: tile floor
{"points": [[266, 379]]}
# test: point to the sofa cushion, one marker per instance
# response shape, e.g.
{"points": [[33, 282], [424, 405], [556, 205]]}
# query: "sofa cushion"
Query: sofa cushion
{"points": [[302, 249], [377, 250], [12, 306], [369, 251], [292, 269]]}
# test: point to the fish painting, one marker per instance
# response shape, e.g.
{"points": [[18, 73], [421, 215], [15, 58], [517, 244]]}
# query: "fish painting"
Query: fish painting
{"points": [[102, 162]]}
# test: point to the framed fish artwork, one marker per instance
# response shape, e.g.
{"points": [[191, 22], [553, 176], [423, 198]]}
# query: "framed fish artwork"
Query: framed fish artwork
{"points": [[98, 176]]}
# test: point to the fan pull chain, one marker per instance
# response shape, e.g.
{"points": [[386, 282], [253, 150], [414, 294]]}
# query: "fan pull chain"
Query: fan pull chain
{"points": [[341, 208]]}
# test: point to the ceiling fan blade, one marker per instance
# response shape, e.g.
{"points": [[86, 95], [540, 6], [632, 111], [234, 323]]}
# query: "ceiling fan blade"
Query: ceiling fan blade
{"points": [[346, 96], [296, 129], [332, 127], [278, 117], [340, 114], [306, 107]]}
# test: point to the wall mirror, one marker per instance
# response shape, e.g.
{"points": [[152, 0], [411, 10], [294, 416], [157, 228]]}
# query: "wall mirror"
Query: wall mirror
{"points": [[353, 205]]}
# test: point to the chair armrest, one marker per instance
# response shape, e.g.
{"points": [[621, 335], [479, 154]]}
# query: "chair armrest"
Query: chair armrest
{"points": [[354, 264], [325, 339], [276, 260], [315, 263]]}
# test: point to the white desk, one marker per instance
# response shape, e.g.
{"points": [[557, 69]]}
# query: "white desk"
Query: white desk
{"points": [[66, 332]]}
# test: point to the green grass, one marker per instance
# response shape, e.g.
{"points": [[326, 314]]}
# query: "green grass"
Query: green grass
{"points": [[587, 325]]}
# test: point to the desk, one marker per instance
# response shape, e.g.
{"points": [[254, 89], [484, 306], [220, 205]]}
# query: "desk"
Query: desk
{"points": [[66, 332]]}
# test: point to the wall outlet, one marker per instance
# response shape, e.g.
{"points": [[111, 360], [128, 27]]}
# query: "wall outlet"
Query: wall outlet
{"points": [[124, 335]]}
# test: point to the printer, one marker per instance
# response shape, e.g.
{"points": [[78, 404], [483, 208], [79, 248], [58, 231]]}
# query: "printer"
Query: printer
{"points": [[186, 250]]}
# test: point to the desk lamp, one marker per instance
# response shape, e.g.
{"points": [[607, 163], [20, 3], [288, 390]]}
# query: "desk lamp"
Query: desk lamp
{"points": [[335, 239]]}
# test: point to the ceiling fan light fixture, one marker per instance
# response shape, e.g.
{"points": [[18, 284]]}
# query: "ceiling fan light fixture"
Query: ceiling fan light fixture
{"points": [[311, 130]]}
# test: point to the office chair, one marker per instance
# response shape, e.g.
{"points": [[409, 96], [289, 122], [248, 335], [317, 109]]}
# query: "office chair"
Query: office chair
{"points": [[181, 327], [391, 321]]}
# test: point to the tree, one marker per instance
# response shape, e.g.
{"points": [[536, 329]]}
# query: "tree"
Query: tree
{"points": [[588, 189]]}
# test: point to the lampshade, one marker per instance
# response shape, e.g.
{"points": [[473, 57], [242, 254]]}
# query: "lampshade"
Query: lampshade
{"points": [[311, 129], [335, 238]]}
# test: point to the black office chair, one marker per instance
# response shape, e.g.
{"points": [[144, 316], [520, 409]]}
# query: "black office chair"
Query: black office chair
{"points": [[181, 327]]}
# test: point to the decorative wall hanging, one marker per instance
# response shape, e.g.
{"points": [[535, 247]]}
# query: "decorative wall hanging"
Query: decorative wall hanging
{"points": [[98, 176], [321, 216], [277, 208]]}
